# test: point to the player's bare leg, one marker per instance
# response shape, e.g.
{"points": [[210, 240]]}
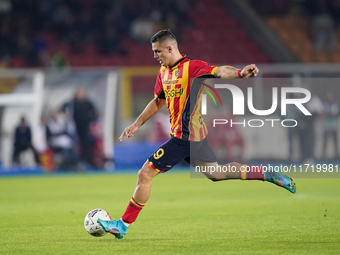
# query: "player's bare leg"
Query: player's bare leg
{"points": [[220, 176], [144, 182], [140, 197], [216, 172]]}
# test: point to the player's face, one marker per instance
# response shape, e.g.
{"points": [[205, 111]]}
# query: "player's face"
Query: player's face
{"points": [[162, 53]]}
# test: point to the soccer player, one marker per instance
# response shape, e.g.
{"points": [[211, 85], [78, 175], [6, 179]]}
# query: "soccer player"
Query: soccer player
{"points": [[174, 87]]}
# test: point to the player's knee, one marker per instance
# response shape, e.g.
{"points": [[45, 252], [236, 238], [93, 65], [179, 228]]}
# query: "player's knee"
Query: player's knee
{"points": [[146, 173], [142, 174]]}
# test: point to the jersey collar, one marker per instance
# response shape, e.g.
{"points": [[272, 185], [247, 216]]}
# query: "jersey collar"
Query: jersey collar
{"points": [[178, 61]]}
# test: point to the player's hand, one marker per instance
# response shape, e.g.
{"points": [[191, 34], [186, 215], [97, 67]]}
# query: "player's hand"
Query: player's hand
{"points": [[249, 71], [128, 132]]}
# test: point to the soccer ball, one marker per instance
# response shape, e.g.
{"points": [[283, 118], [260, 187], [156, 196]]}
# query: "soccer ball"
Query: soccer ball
{"points": [[92, 226]]}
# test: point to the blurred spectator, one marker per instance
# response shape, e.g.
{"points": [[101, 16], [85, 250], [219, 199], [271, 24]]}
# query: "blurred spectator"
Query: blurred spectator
{"points": [[335, 12], [7, 41], [324, 30], [293, 135], [142, 29], [58, 61], [60, 16], [25, 48], [5, 6], [23, 141], [41, 19], [83, 112], [40, 47], [97, 143], [306, 128], [42, 148], [330, 124], [61, 139], [109, 42]]}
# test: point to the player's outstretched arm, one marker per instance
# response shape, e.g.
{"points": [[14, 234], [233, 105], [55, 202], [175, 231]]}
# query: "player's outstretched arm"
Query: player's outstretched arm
{"points": [[150, 110], [230, 72]]}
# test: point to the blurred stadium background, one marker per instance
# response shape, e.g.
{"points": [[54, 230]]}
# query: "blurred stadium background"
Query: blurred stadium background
{"points": [[51, 48]]}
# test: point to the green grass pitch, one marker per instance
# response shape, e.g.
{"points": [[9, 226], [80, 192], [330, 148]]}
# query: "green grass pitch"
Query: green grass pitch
{"points": [[45, 215]]}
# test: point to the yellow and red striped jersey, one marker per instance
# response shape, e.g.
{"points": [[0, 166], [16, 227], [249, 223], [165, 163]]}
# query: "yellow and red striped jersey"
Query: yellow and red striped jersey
{"points": [[183, 101]]}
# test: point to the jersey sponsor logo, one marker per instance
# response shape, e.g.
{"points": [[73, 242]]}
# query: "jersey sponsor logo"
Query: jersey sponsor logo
{"points": [[170, 82], [173, 92]]}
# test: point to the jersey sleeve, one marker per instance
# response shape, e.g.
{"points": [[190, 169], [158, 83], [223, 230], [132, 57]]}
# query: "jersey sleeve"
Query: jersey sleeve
{"points": [[159, 93], [200, 68]]}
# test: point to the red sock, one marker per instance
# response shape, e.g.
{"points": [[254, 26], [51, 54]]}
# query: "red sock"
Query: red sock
{"points": [[132, 211], [252, 173]]}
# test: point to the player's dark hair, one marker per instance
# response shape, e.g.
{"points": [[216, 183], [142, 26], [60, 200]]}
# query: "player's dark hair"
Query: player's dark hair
{"points": [[162, 35]]}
